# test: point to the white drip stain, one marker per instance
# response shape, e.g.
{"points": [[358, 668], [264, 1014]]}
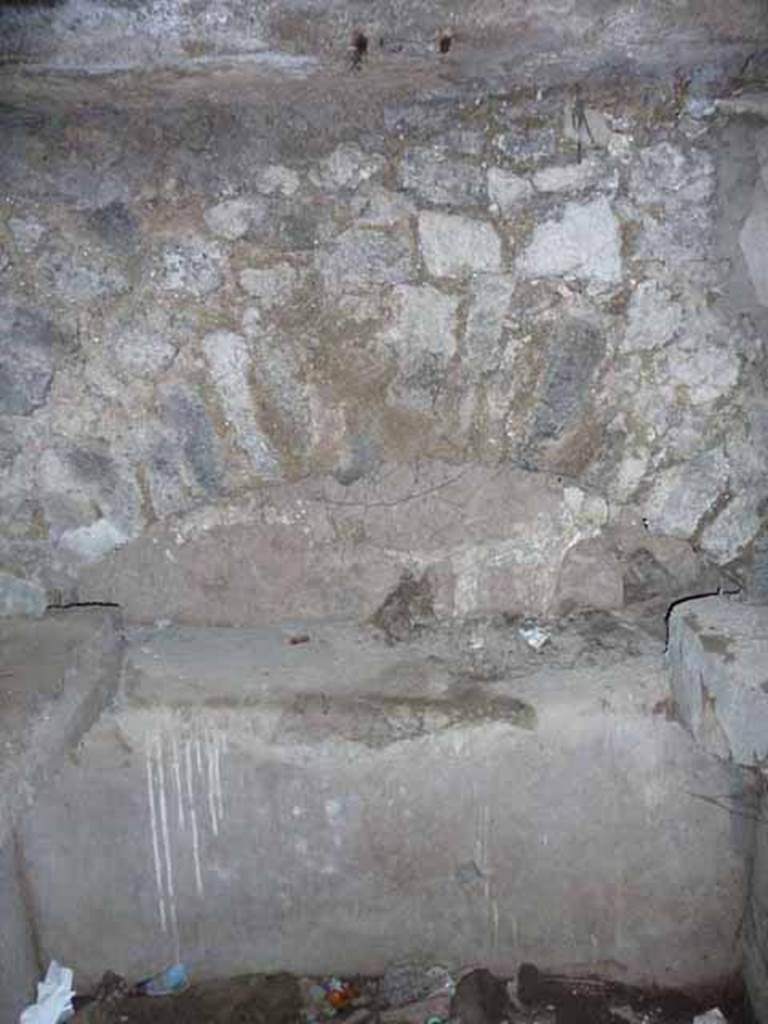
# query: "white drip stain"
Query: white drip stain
{"points": [[193, 817], [183, 771], [155, 841], [210, 761], [166, 839], [177, 779], [218, 742]]}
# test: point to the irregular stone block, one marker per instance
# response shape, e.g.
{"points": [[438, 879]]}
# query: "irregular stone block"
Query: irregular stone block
{"points": [[424, 320], [26, 231], [718, 666], [28, 344], [664, 173], [733, 529], [115, 224], [380, 208], [232, 218], [754, 243], [191, 266], [526, 144], [272, 286], [434, 178], [186, 413], [584, 243], [507, 190], [598, 132], [144, 343], [277, 180], [21, 597], [363, 258], [683, 494], [453, 246], [573, 177], [707, 366], [574, 355], [230, 366], [92, 542], [347, 167], [487, 317], [653, 317]]}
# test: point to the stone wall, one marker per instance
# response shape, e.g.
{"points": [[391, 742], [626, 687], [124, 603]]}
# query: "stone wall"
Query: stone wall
{"points": [[218, 292]]}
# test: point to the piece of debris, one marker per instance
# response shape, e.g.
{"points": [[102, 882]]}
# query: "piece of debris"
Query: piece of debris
{"points": [[480, 998], [299, 638], [165, 983], [324, 998], [410, 981], [54, 997], [533, 634], [713, 1016]]}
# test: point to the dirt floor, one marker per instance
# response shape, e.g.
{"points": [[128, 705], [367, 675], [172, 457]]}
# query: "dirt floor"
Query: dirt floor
{"points": [[476, 998]]}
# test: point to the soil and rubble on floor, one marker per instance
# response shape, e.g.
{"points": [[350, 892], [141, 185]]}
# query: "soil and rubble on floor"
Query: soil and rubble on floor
{"points": [[410, 992]]}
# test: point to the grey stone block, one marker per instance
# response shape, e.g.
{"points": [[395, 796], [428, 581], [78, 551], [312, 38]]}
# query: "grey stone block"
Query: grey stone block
{"points": [[331, 791], [718, 664]]}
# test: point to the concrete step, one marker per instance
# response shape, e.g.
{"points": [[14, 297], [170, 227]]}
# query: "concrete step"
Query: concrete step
{"points": [[313, 798]]}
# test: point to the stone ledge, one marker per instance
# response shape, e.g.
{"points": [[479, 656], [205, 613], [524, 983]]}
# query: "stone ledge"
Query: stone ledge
{"points": [[718, 663]]}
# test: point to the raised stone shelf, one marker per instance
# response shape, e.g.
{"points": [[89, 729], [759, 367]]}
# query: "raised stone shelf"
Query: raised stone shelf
{"points": [[313, 798], [718, 659]]}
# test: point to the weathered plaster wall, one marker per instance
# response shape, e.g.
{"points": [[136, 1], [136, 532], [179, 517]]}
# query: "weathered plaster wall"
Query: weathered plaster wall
{"points": [[222, 301]]}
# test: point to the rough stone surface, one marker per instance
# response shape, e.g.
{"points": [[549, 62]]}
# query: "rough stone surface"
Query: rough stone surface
{"points": [[57, 674], [754, 243], [432, 178], [454, 246], [491, 540], [282, 774], [20, 597], [424, 322], [568, 178], [756, 930], [232, 218], [718, 651], [507, 189], [584, 244], [221, 280], [28, 343], [684, 494], [227, 356]]}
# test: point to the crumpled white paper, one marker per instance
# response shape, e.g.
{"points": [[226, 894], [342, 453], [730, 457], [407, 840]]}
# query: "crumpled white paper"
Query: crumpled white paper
{"points": [[54, 997]]}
